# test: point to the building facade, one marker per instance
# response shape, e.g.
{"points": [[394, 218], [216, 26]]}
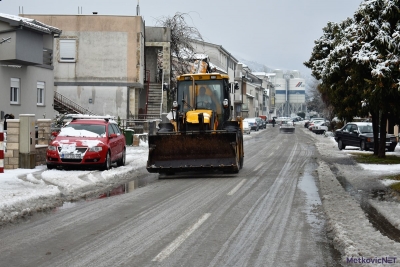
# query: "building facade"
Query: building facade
{"points": [[222, 61], [248, 99], [99, 61], [289, 93], [26, 66]]}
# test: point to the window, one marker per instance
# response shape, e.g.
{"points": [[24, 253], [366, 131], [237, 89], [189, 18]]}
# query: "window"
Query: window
{"points": [[67, 50], [40, 93], [116, 129], [14, 91], [110, 130]]}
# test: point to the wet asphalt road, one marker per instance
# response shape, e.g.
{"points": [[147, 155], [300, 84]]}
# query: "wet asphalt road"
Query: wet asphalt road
{"points": [[267, 215]]}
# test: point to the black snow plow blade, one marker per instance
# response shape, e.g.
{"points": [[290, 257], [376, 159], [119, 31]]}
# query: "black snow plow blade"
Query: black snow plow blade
{"points": [[169, 153]]}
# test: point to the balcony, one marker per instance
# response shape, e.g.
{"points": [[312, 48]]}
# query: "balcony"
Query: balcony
{"points": [[23, 48]]}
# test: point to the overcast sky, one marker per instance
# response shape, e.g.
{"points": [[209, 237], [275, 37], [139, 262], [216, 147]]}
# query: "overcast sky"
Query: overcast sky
{"points": [[277, 33]]}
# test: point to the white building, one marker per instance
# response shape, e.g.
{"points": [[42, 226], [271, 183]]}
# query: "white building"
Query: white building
{"points": [[290, 93], [222, 60]]}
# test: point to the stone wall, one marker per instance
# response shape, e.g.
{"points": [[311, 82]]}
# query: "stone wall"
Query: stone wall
{"points": [[44, 131], [12, 153], [40, 155], [44, 135]]}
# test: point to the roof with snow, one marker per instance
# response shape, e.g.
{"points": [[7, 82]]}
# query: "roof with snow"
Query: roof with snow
{"points": [[17, 21], [212, 66]]}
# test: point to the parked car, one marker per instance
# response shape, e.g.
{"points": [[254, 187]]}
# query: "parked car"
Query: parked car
{"points": [[246, 127], [93, 141], [320, 127], [311, 123], [254, 124], [360, 134], [307, 122], [263, 123]]}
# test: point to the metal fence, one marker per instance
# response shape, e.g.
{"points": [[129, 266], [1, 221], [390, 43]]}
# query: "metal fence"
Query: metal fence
{"points": [[140, 126]]}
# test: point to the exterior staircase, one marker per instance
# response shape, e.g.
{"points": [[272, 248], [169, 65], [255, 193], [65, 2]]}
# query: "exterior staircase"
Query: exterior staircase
{"points": [[154, 99], [66, 106]]}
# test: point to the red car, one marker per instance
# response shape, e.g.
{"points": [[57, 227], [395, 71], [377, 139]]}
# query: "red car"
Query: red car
{"points": [[93, 141]]}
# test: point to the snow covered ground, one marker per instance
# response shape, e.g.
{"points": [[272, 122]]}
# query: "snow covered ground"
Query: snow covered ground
{"points": [[353, 235], [25, 191]]}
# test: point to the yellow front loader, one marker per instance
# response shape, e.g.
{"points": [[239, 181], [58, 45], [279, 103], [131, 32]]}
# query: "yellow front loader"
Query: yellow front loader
{"points": [[201, 135]]}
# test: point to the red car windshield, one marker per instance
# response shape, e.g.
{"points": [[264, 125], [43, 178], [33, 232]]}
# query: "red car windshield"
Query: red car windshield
{"points": [[80, 130]]}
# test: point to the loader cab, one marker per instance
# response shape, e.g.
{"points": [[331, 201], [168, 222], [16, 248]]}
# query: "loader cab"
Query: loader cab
{"points": [[216, 89]]}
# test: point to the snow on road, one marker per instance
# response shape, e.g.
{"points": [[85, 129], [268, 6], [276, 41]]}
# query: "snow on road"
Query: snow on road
{"points": [[24, 191]]}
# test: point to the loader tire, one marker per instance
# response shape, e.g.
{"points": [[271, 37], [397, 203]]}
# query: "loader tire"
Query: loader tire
{"points": [[240, 149]]}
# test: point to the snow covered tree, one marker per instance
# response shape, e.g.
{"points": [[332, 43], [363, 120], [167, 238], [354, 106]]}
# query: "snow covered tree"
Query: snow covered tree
{"points": [[358, 64], [182, 34], [379, 25]]}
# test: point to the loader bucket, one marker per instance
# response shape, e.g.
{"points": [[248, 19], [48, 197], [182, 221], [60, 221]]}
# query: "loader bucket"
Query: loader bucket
{"points": [[175, 152]]}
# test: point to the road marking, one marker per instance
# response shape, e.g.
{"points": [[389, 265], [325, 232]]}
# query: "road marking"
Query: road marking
{"points": [[233, 191], [178, 241]]}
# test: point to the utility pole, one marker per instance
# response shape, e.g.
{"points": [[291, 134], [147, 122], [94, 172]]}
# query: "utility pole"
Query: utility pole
{"points": [[287, 78]]}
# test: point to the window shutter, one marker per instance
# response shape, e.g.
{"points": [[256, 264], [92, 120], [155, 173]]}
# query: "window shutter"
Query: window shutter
{"points": [[14, 82], [67, 50], [40, 85]]}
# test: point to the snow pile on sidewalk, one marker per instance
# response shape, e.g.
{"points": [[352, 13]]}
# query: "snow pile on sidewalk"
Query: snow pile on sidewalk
{"points": [[19, 198], [352, 233], [25, 191]]}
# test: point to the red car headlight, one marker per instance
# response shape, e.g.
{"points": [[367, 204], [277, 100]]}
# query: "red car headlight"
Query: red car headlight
{"points": [[52, 148], [96, 149]]}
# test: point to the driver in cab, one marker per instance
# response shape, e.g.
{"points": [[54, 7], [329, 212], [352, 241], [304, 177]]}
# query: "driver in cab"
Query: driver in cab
{"points": [[203, 100]]}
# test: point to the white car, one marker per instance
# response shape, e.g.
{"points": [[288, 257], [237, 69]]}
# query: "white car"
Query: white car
{"points": [[320, 127], [246, 127], [316, 121]]}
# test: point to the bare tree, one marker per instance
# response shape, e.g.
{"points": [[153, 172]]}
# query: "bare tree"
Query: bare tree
{"points": [[182, 50]]}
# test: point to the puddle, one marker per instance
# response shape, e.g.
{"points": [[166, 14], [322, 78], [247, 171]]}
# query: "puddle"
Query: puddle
{"points": [[119, 190], [307, 185], [124, 188], [66, 205]]}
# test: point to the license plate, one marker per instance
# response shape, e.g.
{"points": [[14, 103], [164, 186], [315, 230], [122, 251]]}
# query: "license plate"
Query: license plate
{"points": [[71, 156]]}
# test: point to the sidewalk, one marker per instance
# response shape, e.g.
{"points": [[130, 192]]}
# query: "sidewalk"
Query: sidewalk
{"points": [[359, 243]]}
